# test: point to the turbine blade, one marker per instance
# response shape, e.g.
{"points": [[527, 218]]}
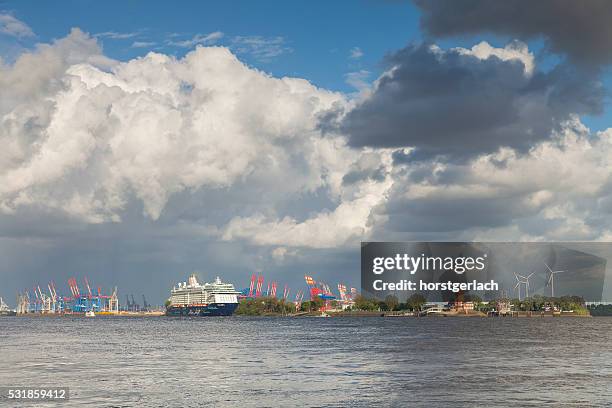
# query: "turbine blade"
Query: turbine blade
{"points": [[547, 266]]}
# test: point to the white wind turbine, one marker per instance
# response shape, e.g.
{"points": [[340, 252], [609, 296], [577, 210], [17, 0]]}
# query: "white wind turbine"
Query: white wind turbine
{"points": [[522, 280], [551, 279], [518, 286]]}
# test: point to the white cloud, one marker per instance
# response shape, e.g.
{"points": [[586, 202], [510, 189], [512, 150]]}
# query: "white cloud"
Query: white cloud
{"points": [[355, 53], [358, 80], [516, 50], [559, 190], [281, 253], [198, 39], [89, 139], [261, 48], [240, 154], [114, 35], [348, 223], [143, 44], [10, 25]]}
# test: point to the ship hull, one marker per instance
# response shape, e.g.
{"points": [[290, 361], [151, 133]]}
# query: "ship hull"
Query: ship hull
{"points": [[213, 309]]}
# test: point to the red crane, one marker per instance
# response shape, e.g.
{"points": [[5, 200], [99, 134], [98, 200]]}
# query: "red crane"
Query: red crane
{"points": [[253, 277], [260, 281], [88, 288], [74, 288]]}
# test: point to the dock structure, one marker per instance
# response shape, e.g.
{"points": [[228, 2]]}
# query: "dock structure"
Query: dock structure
{"points": [[49, 302]]}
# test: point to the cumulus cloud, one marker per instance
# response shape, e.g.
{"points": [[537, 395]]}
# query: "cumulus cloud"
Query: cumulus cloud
{"points": [[461, 103], [9, 25], [515, 51], [559, 190], [238, 155], [90, 137], [348, 223], [578, 29]]}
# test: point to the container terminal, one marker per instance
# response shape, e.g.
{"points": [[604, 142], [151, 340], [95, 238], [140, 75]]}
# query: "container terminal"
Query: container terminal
{"points": [[47, 301]]}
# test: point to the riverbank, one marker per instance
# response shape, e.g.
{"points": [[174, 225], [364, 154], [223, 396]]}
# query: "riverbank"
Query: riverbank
{"points": [[335, 314]]}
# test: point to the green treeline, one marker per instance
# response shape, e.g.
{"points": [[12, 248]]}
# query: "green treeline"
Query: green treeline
{"points": [[272, 306], [538, 303], [391, 303], [264, 306], [534, 303]]}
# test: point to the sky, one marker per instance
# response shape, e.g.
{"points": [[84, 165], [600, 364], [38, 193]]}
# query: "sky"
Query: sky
{"points": [[143, 141]]}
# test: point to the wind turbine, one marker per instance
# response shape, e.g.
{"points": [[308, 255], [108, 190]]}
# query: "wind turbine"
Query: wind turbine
{"points": [[524, 280], [518, 286], [527, 283], [551, 279]]}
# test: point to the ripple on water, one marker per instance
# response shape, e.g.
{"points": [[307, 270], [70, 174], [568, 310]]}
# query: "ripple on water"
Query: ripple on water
{"points": [[313, 362]]}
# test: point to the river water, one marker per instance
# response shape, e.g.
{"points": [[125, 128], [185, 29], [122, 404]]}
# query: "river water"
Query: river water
{"points": [[259, 362]]}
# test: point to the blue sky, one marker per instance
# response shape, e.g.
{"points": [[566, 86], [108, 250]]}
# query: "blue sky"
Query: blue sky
{"points": [[340, 37], [319, 51]]}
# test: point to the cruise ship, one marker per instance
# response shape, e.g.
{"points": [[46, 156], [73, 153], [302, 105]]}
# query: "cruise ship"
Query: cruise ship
{"points": [[209, 299]]}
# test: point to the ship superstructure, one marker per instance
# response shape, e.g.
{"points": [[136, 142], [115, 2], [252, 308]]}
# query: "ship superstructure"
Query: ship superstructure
{"points": [[209, 299]]}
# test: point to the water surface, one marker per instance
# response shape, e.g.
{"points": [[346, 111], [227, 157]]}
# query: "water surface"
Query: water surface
{"points": [[255, 362]]}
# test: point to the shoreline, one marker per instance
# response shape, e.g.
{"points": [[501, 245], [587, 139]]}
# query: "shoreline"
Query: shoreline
{"points": [[319, 315]]}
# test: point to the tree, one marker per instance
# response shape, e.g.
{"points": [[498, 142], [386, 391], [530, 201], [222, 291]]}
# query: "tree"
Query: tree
{"points": [[391, 302], [264, 306], [416, 301], [312, 305], [363, 303]]}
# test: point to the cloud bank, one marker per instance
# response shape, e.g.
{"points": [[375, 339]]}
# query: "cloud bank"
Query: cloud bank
{"points": [[88, 137], [457, 142]]}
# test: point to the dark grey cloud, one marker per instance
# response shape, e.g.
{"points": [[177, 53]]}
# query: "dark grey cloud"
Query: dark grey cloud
{"points": [[455, 104], [446, 213], [579, 29]]}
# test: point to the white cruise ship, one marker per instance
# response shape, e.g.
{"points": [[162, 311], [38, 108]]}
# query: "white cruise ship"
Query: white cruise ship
{"points": [[209, 299]]}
